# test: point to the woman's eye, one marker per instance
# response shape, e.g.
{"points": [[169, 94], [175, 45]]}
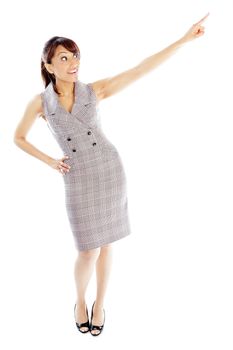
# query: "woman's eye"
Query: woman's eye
{"points": [[75, 54]]}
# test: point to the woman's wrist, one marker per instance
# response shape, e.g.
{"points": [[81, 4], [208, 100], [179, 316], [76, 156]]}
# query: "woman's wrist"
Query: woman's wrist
{"points": [[182, 41], [48, 160]]}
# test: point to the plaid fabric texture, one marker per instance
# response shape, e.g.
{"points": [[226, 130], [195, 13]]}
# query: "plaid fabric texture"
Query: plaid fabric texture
{"points": [[95, 187]]}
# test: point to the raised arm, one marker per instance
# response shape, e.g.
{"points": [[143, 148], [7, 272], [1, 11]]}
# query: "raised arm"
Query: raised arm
{"points": [[107, 87]]}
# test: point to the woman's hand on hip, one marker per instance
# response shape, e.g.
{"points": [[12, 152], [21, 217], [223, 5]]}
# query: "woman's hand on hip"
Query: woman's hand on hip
{"points": [[59, 165]]}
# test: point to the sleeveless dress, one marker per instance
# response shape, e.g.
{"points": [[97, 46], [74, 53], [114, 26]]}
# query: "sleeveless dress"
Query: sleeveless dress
{"points": [[95, 187]]}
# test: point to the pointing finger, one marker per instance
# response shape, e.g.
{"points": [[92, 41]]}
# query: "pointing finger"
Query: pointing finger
{"points": [[202, 20]]}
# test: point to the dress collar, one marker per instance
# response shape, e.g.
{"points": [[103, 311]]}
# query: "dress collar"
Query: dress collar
{"points": [[53, 103]]}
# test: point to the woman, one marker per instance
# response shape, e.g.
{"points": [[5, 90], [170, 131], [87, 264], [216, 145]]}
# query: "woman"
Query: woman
{"points": [[93, 173]]}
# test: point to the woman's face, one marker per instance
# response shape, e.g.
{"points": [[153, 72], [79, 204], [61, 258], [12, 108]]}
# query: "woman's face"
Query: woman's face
{"points": [[65, 64]]}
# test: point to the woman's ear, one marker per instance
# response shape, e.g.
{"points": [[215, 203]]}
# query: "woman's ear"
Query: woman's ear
{"points": [[48, 67]]}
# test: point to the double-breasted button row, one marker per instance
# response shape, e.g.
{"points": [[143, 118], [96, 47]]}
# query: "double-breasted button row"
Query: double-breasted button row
{"points": [[89, 133]]}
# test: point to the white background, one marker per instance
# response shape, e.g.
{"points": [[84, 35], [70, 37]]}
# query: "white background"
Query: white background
{"points": [[171, 282]]}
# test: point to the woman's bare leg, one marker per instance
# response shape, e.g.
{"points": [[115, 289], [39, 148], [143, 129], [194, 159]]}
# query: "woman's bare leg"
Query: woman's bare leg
{"points": [[103, 269], [84, 266]]}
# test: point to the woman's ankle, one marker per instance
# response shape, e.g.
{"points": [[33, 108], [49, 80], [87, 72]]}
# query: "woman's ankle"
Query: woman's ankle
{"points": [[80, 302], [99, 304]]}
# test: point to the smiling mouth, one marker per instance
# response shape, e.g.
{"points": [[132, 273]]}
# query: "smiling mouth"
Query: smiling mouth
{"points": [[73, 71]]}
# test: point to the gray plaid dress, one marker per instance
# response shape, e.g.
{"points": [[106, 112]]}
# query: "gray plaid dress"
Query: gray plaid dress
{"points": [[95, 187]]}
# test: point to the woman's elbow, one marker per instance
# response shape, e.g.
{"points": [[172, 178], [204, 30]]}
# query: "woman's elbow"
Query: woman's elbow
{"points": [[18, 139]]}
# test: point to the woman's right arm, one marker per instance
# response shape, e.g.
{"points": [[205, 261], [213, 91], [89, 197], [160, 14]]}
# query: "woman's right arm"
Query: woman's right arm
{"points": [[33, 110]]}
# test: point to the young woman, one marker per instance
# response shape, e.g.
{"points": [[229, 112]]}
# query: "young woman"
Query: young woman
{"points": [[93, 173]]}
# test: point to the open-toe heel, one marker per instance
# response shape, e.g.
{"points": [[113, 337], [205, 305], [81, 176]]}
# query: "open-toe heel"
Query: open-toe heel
{"points": [[95, 327], [84, 324]]}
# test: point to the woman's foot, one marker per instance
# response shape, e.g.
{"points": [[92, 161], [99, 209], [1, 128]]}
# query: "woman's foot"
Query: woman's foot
{"points": [[97, 319], [81, 316]]}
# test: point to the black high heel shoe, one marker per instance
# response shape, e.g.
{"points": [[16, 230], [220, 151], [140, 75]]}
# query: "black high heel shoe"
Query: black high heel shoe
{"points": [[94, 327], [81, 325]]}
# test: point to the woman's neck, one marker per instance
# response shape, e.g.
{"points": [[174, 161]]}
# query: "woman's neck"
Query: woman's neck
{"points": [[65, 89]]}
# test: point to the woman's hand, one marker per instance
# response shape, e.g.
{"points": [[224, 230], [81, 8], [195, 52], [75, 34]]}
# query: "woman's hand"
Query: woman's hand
{"points": [[59, 165], [195, 31]]}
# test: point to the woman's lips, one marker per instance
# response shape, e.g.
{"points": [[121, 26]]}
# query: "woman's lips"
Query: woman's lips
{"points": [[73, 72]]}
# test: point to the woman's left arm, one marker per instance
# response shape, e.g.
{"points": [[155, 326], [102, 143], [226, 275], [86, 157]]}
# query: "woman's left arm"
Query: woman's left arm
{"points": [[107, 87]]}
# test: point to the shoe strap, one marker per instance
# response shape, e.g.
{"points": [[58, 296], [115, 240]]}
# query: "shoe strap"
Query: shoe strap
{"points": [[98, 328], [85, 324]]}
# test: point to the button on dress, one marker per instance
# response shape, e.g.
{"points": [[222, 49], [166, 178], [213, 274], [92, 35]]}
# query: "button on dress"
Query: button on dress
{"points": [[95, 187]]}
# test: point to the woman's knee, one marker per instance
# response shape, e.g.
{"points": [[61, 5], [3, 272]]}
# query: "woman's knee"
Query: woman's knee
{"points": [[106, 249], [89, 254]]}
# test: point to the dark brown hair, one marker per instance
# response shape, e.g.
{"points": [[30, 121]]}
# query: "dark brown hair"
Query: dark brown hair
{"points": [[48, 53]]}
